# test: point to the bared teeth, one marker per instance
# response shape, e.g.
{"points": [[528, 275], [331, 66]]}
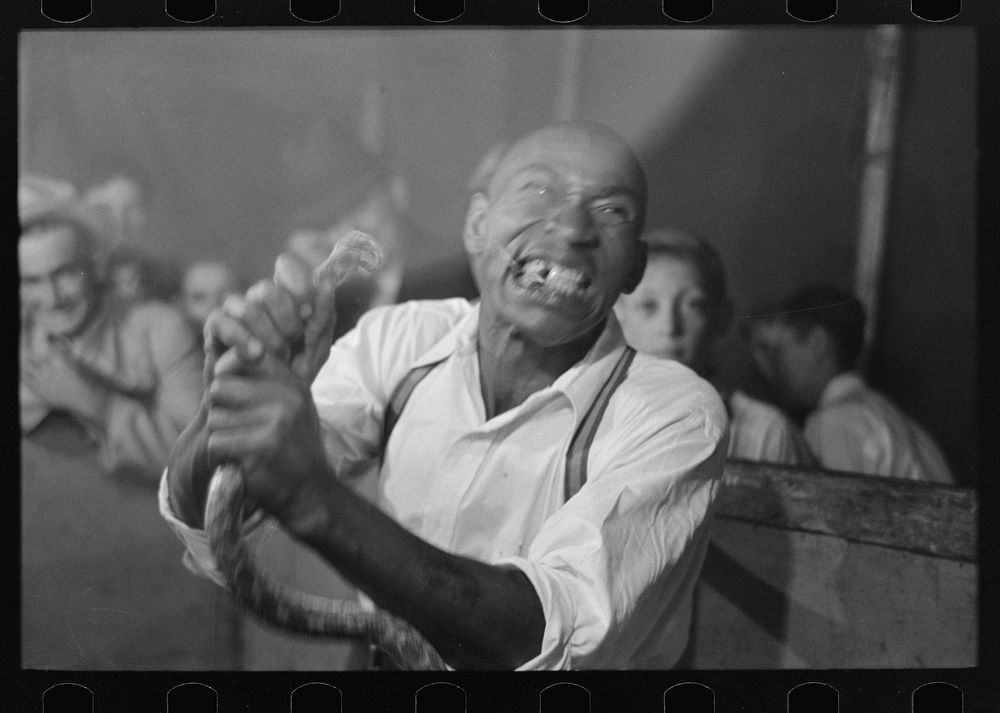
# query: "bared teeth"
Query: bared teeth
{"points": [[552, 276], [534, 271]]}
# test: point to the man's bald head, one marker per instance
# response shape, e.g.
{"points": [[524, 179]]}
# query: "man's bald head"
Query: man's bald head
{"points": [[553, 231], [571, 138]]}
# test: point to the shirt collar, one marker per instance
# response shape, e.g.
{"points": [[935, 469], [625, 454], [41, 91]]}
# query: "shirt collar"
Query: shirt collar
{"points": [[583, 380], [841, 386], [460, 339], [580, 383]]}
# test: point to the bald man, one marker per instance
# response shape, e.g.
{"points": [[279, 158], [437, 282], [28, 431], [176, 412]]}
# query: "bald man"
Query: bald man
{"points": [[544, 491]]}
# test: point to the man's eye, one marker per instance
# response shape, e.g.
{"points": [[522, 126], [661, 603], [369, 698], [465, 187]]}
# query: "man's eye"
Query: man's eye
{"points": [[648, 307], [613, 214], [536, 187]]}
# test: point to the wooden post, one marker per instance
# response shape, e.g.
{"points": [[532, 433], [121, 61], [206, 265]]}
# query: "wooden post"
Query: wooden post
{"points": [[876, 178], [567, 99]]}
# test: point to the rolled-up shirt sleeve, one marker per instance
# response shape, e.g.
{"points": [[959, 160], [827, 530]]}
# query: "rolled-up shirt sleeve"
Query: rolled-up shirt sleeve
{"points": [[197, 556], [614, 568], [349, 392]]}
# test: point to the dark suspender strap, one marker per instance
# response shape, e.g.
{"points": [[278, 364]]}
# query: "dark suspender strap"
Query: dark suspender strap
{"points": [[579, 447], [400, 395]]}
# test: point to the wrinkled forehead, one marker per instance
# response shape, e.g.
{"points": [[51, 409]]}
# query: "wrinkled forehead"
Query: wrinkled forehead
{"points": [[597, 159]]}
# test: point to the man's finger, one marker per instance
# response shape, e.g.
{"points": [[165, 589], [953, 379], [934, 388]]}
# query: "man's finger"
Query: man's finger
{"points": [[280, 306], [238, 445], [257, 319], [223, 331], [229, 364], [225, 413], [236, 382], [267, 368], [235, 390], [294, 275]]}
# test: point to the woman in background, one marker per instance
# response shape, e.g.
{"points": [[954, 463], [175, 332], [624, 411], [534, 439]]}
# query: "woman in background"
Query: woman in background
{"points": [[677, 312]]}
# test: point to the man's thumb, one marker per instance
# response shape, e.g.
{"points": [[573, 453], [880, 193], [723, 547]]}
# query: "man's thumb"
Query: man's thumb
{"points": [[294, 275]]}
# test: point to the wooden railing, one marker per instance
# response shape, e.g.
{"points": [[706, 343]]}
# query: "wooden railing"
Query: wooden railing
{"points": [[924, 518], [816, 569]]}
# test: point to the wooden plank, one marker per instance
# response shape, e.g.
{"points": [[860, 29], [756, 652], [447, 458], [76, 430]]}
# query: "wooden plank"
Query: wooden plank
{"points": [[777, 599], [925, 518]]}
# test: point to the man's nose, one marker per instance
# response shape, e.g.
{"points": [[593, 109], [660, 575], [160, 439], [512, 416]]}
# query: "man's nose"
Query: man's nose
{"points": [[571, 220]]}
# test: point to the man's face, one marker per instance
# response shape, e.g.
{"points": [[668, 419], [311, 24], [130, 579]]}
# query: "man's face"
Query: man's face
{"points": [[206, 288], [556, 240], [58, 288], [786, 361], [669, 314], [126, 282]]}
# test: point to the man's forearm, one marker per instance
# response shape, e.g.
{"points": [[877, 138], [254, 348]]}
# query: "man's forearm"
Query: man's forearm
{"points": [[475, 614]]}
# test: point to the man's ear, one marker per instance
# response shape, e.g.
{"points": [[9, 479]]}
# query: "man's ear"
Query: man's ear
{"points": [[638, 267], [474, 231]]}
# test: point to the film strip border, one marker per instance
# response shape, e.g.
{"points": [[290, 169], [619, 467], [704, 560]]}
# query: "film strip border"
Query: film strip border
{"points": [[39, 13], [488, 693], [895, 691]]}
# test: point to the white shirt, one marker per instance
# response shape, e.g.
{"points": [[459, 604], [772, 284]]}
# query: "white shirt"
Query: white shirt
{"points": [[761, 432], [615, 566], [857, 429]]}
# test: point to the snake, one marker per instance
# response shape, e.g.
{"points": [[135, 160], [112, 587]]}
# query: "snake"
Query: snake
{"points": [[274, 603]]}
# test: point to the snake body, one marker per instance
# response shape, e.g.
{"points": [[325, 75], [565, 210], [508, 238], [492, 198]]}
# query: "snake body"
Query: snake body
{"points": [[280, 605], [287, 608]]}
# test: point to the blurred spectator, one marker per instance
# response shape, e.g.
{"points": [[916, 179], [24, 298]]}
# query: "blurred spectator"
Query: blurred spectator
{"points": [[126, 277], [136, 275], [807, 345], [115, 208], [130, 374], [117, 203], [103, 588], [205, 286], [34, 192], [678, 309]]}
